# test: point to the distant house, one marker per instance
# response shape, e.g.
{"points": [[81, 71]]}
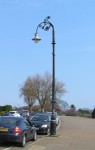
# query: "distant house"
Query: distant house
{"points": [[71, 112]]}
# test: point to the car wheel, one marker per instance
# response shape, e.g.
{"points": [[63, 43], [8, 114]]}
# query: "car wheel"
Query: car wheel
{"points": [[23, 141], [34, 136]]}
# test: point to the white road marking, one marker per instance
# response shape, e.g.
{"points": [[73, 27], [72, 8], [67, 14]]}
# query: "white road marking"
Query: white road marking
{"points": [[7, 148]]}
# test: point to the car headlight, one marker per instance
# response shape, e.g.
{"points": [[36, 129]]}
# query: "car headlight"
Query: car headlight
{"points": [[44, 126]]}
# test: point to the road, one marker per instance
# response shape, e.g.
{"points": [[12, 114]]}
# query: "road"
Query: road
{"points": [[75, 133], [15, 146]]}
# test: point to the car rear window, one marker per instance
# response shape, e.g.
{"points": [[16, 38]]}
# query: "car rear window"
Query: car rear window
{"points": [[9, 121]]}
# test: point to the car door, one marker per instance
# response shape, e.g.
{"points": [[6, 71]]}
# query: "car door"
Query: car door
{"points": [[29, 130]]}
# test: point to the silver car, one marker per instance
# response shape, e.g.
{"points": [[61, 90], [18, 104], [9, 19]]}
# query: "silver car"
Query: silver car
{"points": [[56, 117]]}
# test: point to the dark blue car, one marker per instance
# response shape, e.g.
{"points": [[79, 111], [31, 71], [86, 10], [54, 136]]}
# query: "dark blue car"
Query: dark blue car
{"points": [[16, 129], [7, 114], [41, 122]]}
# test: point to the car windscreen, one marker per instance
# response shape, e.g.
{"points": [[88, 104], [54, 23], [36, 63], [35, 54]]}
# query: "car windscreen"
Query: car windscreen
{"points": [[40, 118], [8, 121], [12, 112]]}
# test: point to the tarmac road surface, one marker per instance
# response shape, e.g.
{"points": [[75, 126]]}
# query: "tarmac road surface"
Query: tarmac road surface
{"points": [[74, 133], [15, 146]]}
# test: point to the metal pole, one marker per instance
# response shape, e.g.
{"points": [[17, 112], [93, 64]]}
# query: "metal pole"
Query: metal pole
{"points": [[46, 26], [53, 121]]}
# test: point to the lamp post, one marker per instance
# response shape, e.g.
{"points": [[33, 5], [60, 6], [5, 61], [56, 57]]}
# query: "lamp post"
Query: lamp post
{"points": [[46, 25]]}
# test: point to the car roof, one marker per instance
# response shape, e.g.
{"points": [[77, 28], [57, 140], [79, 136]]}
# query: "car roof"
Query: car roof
{"points": [[19, 118], [41, 114], [14, 111], [7, 113]]}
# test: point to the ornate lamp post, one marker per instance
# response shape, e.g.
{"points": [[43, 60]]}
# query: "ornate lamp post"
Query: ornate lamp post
{"points": [[46, 25]]}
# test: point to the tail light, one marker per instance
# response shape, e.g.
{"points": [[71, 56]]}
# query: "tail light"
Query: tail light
{"points": [[17, 130]]}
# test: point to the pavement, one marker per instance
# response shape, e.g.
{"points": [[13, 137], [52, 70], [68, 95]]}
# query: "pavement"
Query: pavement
{"points": [[73, 133]]}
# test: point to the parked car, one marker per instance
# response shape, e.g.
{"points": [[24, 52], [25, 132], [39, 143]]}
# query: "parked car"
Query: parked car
{"points": [[7, 114], [56, 117], [16, 129], [25, 112], [93, 113], [41, 122], [15, 113]]}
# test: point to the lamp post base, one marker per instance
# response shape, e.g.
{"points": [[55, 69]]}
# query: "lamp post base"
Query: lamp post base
{"points": [[53, 126]]}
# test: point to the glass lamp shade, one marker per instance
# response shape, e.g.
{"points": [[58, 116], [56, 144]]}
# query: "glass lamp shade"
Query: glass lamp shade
{"points": [[36, 38]]}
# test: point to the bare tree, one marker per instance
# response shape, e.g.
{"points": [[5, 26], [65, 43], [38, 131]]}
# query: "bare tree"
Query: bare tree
{"points": [[40, 88], [63, 104], [43, 89], [28, 92]]}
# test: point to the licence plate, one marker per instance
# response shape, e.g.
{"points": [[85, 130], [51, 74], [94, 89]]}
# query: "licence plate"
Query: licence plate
{"points": [[4, 129]]}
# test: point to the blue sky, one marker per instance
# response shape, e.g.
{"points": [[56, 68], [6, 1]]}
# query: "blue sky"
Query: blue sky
{"points": [[74, 23]]}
